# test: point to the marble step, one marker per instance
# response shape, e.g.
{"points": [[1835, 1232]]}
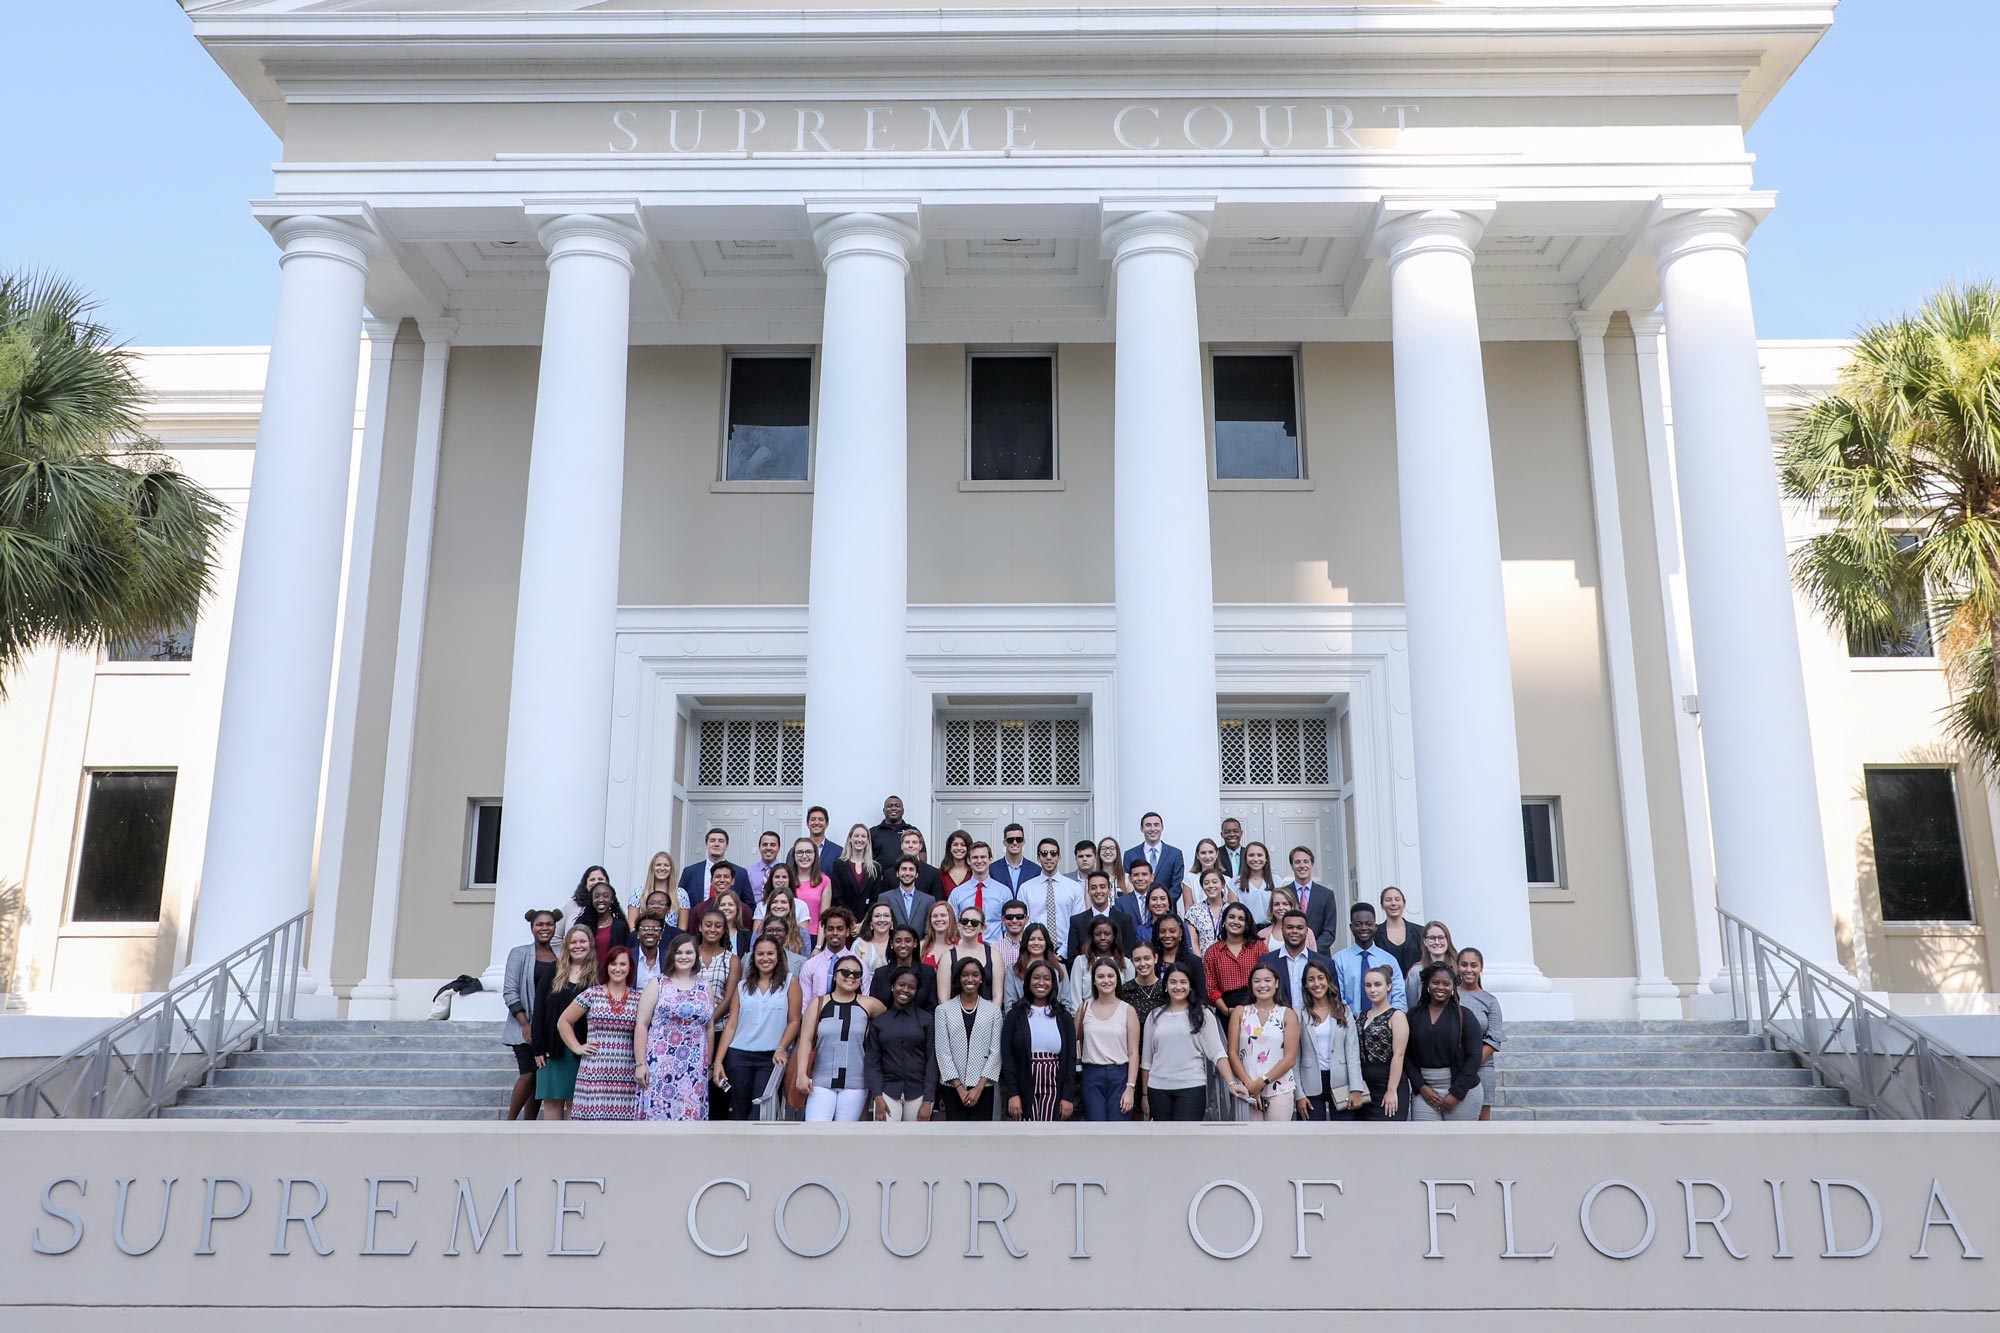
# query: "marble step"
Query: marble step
{"points": [[334, 1027], [494, 1057], [1691, 1111], [246, 1076], [1679, 1058], [1667, 1077], [331, 1114], [1629, 1027], [378, 1097], [1613, 1041], [1674, 1096], [449, 1039]]}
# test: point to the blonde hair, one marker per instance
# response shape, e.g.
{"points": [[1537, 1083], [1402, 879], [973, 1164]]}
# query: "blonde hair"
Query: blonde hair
{"points": [[560, 981], [866, 864], [651, 883]]}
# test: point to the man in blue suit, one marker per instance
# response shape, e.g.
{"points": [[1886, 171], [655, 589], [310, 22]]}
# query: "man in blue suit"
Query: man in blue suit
{"points": [[695, 880], [1168, 867], [829, 851]]}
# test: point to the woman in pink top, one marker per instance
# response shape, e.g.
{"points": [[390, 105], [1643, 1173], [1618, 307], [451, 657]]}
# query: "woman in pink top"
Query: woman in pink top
{"points": [[809, 882]]}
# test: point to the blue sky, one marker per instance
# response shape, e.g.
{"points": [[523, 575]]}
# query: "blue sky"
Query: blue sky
{"points": [[135, 185]]}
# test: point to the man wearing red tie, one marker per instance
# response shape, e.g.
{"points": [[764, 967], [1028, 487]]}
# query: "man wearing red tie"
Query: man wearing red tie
{"points": [[980, 892]]}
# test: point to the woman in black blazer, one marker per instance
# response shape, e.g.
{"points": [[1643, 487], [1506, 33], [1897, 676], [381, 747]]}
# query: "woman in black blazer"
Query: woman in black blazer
{"points": [[856, 876], [1038, 1078]]}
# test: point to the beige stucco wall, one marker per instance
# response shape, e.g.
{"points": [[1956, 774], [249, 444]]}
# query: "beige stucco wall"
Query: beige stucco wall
{"points": [[1327, 1212]]}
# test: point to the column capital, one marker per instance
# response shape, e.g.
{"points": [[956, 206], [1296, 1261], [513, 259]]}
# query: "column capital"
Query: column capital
{"points": [[1685, 225], [381, 334], [608, 228], [890, 228], [1137, 224], [440, 332], [1646, 327], [327, 229], [1589, 330], [1406, 227]]}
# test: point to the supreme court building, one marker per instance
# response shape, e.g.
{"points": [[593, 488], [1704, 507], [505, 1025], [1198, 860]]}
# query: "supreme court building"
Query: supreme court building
{"points": [[678, 416]]}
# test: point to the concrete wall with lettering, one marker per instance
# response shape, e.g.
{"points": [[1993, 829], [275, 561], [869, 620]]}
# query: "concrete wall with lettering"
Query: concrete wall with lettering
{"points": [[1548, 1228]]}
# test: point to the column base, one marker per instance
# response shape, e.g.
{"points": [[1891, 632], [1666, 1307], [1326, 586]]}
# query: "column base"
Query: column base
{"points": [[1526, 994], [374, 1000], [479, 1007], [1657, 999]]}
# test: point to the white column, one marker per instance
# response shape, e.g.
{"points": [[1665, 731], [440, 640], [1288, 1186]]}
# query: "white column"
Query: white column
{"points": [[257, 862], [1161, 566], [1770, 859], [374, 995], [350, 641], [1461, 676], [1646, 328], [1654, 995], [565, 622], [856, 655]]}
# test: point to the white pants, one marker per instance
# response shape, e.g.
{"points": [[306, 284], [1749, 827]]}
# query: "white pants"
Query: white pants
{"points": [[829, 1104], [903, 1108]]}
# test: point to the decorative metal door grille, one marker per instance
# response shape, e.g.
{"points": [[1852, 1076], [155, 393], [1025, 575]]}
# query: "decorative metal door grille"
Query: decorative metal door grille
{"points": [[1013, 752], [1274, 751], [751, 752]]}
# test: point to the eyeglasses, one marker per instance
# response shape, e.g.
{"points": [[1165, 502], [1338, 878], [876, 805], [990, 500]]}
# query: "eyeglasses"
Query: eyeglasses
{"points": [[970, 921], [1015, 916], [1015, 840], [848, 973]]}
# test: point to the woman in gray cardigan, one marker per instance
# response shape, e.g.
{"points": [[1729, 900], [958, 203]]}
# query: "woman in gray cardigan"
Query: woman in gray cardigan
{"points": [[530, 967], [967, 1032], [1330, 1083]]}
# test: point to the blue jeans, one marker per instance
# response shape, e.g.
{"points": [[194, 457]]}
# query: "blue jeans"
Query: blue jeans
{"points": [[1103, 1086]]}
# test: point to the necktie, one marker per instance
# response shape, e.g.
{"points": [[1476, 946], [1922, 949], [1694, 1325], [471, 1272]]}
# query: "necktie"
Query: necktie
{"points": [[979, 896], [1153, 856], [1050, 911]]}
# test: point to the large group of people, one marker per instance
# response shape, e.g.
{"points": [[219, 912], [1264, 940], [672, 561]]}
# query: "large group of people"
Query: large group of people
{"points": [[856, 980]]}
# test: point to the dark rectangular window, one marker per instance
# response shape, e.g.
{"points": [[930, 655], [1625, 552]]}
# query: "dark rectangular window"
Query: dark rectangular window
{"points": [[1011, 413], [1256, 417], [770, 417], [1912, 636], [1919, 860], [1541, 830], [482, 853], [175, 645], [124, 863]]}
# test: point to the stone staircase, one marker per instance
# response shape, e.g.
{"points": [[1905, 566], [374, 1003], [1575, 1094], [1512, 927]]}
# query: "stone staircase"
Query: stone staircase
{"points": [[1551, 1071], [1656, 1070], [357, 1070]]}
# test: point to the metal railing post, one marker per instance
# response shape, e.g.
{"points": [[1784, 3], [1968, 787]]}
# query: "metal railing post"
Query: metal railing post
{"points": [[1867, 1066]]}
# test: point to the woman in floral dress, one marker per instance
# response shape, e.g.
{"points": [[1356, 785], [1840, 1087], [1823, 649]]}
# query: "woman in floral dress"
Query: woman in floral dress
{"points": [[605, 1086], [1264, 1049], [670, 1040]]}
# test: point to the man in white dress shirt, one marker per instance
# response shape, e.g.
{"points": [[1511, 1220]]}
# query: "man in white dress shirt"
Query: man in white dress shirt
{"points": [[1052, 898]]}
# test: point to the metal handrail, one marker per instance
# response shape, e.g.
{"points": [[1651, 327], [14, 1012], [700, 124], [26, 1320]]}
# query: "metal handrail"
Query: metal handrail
{"points": [[1886, 1064], [142, 1062]]}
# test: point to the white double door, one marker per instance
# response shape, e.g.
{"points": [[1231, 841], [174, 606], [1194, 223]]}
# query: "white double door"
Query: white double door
{"points": [[743, 819], [1318, 823], [1067, 821]]}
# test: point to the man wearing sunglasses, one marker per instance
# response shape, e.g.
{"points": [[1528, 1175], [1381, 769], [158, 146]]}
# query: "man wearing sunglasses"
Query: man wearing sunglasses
{"points": [[1014, 868], [836, 932]]}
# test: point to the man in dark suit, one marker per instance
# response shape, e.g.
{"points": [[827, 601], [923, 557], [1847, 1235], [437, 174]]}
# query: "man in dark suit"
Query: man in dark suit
{"points": [[1315, 900], [1232, 847], [1097, 905], [1168, 867], [1290, 961], [829, 851], [928, 879], [695, 880], [908, 905], [887, 836], [1132, 905]]}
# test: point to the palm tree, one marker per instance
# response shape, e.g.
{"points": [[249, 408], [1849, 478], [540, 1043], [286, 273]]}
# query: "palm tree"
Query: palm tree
{"points": [[100, 537], [1904, 457]]}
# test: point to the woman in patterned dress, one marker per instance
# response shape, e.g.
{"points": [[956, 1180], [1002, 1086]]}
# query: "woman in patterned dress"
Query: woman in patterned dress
{"points": [[605, 1086], [670, 1040], [1264, 1049]]}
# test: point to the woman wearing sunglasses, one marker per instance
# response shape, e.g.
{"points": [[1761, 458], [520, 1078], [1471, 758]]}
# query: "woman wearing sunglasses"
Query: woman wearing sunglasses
{"points": [[832, 1062]]}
